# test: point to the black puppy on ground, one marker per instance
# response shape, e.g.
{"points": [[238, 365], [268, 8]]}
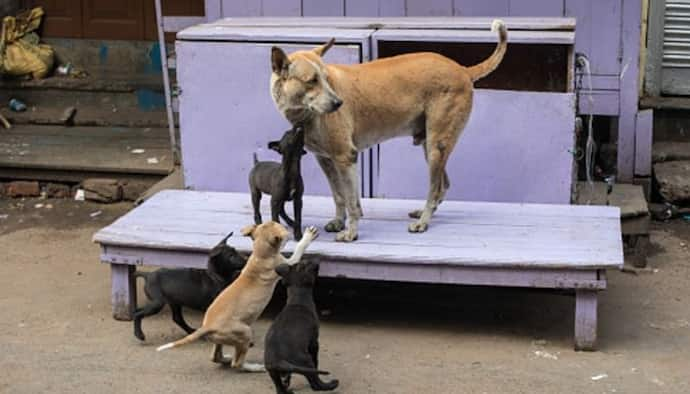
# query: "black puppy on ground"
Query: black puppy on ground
{"points": [[283, 181], [292, 342], [189, 287]]}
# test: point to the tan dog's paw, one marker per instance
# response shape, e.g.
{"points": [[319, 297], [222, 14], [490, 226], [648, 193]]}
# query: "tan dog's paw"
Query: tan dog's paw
{"points": [[335, 225], [417, 227], [416, 214], [310, 233], [346, 236]]}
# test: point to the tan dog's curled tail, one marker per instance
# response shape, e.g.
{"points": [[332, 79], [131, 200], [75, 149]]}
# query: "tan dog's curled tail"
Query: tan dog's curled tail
{"points": [[189, 338], [485, 68]]}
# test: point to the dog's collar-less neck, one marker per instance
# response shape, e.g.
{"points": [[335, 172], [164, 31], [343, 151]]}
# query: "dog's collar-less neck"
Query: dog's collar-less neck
{"points": [[300, 296]]}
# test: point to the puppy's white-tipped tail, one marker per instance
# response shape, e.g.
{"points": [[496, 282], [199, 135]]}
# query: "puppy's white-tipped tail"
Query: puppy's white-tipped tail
{"points": [[165, 347], [497, 24], [487, 66]]}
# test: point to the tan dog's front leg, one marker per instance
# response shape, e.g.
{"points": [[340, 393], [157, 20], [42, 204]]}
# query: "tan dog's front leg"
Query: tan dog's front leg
{"points": [[309, 235], [334, 181], [350, 181]]}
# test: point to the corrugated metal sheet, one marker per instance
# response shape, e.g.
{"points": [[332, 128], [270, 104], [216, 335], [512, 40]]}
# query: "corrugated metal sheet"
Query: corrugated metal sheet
{"points": [[677, 34]]}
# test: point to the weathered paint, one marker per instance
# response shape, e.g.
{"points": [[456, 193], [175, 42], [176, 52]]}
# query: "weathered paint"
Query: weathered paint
{"points": [[586, 312], [150, 100]]}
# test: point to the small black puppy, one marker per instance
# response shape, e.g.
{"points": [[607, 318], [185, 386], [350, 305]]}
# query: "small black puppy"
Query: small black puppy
{"points": [[189, 287], [292, 342], [283, 181]]}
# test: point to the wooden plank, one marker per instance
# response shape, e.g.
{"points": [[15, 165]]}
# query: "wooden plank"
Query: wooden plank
{"points": [[410, 22], [665, 103], [323, 7], [241, 8], [281, 8], [362, 7], [271, 34], [644, 135], [539, 278], [429, 7], [595, 193], [493, 8], [629, 93], [523, 37], [603, 102], [630, 199], [385, 240], [534, 8]]}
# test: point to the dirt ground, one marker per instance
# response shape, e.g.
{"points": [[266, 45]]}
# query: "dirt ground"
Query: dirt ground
{"points": [[57, 334]]}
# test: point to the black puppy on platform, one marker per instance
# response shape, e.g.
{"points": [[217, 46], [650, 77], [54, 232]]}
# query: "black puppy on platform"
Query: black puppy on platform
{"points": [[282, 181], [292, 342], [189, 287]]}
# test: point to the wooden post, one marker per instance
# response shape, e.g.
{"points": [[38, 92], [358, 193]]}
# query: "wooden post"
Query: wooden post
{"points": [[585, 319], [123, 292]]}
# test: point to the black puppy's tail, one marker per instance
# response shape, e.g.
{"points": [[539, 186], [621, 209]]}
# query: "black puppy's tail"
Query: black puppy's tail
{"points": [[256, 158], [288, 367], [225, 240]]}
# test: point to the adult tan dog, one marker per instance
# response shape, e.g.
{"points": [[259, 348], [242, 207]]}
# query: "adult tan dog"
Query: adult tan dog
{"points": [[229, 319], [348, 108]]}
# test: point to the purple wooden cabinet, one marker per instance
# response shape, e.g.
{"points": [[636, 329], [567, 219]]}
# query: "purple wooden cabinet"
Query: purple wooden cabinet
{"points": [[226, 112]]}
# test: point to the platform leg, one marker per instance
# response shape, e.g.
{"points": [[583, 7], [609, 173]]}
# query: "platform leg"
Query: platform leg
{"points": [[585, 319], [124, 292]]}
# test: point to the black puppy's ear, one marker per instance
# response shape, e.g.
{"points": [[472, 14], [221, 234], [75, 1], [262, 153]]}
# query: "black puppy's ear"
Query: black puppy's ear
{"points": [[282, 270], [279, 61], [275, 145]]}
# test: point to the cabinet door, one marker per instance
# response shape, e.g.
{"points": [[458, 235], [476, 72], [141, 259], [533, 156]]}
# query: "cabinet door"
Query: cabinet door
{"points": [[516, 147], [227, 114], [62, 17]]}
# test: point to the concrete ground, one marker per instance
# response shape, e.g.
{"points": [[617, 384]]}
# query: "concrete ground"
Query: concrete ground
{"points": [[57, 334]]}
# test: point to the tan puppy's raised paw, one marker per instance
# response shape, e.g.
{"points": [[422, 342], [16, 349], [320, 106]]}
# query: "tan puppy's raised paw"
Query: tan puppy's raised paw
{"points": [[310, 233]]}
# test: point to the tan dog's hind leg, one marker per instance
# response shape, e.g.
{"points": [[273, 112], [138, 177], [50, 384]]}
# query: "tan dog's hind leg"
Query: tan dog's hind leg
{"points": [[218, 357], [350, 180], [417, 213], [242, 337], [442, 134], [328, 167]]}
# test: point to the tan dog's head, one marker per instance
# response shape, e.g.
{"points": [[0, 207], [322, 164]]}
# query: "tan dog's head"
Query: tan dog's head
{"points": [[269, 238], [299, 83]]}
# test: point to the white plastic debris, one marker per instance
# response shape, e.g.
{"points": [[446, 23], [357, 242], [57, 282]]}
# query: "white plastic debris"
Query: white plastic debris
{"points": [[368, 356], [152, 160], [79, 195], [545, 354], [4, 216], [38, 206], [94, 214], [600, 376], [138, 151]]}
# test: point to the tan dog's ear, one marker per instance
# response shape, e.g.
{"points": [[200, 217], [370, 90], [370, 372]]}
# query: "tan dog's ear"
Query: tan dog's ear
{"points": [[324, 48], [248, 231], [276, 241], [279, 61]]}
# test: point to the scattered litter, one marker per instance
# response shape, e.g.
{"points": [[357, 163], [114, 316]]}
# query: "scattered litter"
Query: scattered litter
{"points": [[4, 216], [138, 151], [683, 244], [38, 206], [79, 195], [545, 354], [152, 160], [655, 270], [94, 214], [67, 117], [657, 382], [686, 217], [600, 376], [539, 342], [326, 312], [64, 69], [49, 206], [17, 105], [78, 273], [88, 306], [21, 325], [368, 356], [680, 323], [633, 369]]}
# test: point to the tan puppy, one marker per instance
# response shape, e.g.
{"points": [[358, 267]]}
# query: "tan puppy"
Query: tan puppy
{"points": [[229, 319], [348, 108]]}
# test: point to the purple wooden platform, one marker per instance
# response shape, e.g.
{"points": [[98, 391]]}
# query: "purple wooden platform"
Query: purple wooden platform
{"points": [[494, 244]]}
